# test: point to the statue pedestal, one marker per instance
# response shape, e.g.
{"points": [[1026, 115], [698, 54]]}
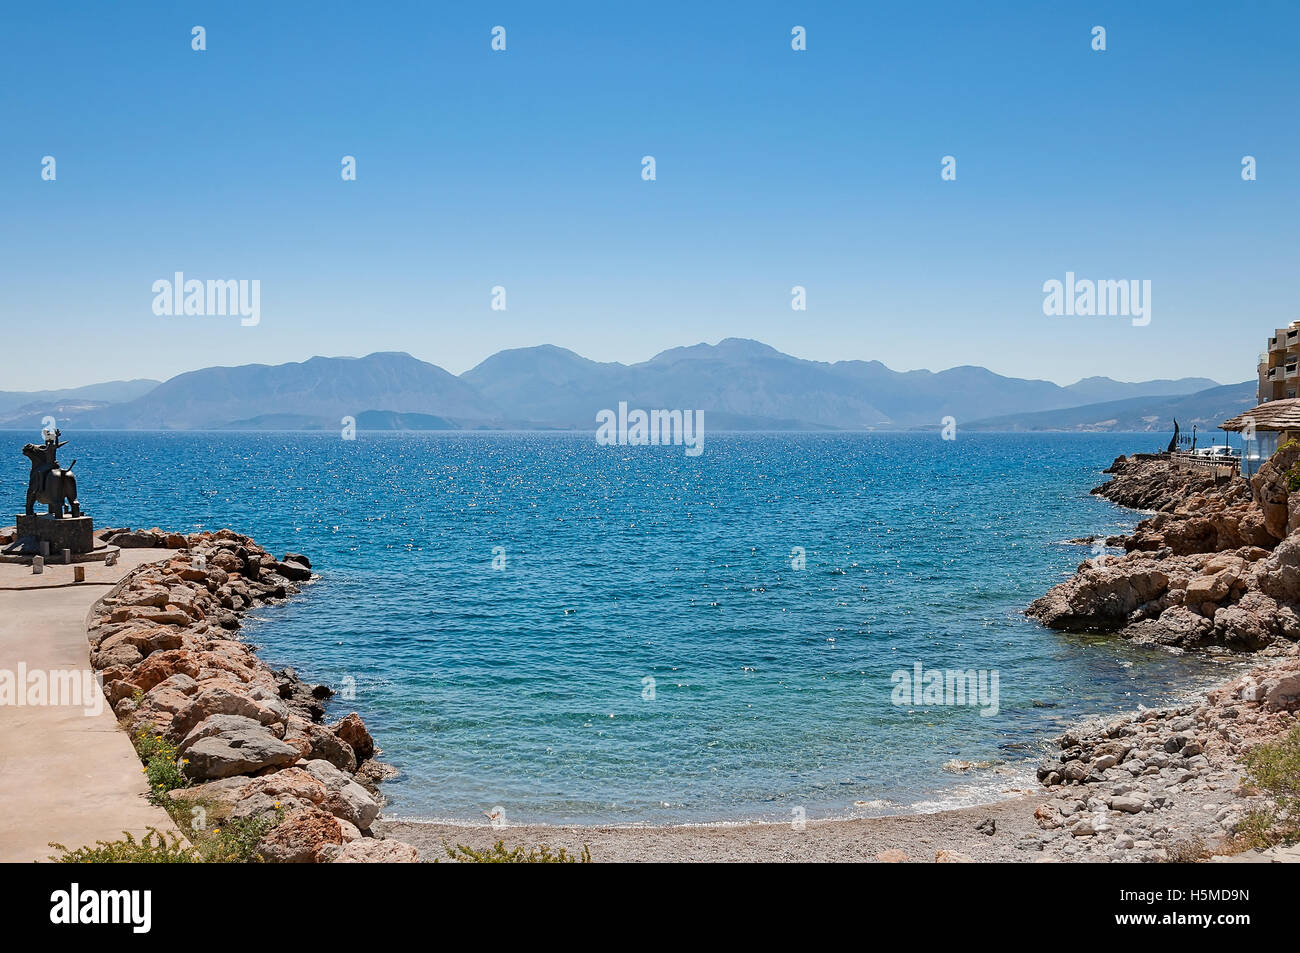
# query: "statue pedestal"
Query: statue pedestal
{"points": [[75, 533]]}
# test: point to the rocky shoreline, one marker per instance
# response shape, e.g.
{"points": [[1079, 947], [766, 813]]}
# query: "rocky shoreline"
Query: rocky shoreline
{"points": [[1217, 564], [252, 741]]}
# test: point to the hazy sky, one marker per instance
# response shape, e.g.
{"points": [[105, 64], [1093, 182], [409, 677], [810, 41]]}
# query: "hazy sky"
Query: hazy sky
{"points": [[522, 169]]}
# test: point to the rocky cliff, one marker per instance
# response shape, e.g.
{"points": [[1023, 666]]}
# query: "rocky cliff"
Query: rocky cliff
{"points": [[1216, 563]]}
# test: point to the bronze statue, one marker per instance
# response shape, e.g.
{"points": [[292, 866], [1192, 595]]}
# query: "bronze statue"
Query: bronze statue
{"points": [[49, 483]]}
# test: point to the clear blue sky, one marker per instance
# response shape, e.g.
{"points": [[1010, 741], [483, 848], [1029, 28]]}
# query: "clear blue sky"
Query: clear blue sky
{"points": [[522, 169]]}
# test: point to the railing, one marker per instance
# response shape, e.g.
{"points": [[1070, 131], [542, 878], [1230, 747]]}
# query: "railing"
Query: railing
{"points": [[1219, 466]]}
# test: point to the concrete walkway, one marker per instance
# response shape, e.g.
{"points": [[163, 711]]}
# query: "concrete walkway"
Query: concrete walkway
{"points": [[66, 774]]}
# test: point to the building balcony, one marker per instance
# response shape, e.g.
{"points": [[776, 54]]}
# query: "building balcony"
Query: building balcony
{"points": [[1284, 338], [1284, 372]]}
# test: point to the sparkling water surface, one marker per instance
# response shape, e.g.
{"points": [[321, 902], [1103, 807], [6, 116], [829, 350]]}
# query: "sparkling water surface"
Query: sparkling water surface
{"points": [[526, 687]]}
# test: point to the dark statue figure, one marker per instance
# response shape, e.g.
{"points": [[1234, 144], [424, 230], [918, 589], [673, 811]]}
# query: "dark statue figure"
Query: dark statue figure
{"points": [[50, 483]]}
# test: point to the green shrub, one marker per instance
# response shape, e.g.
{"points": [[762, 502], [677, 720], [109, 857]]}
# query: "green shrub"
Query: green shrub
{"points": [[162, 765], [229, 842], [235, 841], [154, 848], [499, 854], [1274, 769]]}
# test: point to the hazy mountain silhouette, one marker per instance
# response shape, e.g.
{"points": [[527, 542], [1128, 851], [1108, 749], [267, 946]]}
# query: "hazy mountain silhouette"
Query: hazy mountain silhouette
{"points": [[323, 387], [739, 384], [111, 392], [1206, 409]]}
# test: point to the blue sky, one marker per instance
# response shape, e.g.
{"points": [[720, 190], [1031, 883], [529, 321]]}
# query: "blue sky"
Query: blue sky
{"points": [[522, 169]]}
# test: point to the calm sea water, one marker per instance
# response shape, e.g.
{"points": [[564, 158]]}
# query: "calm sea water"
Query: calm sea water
{"points": [[526, 687]]}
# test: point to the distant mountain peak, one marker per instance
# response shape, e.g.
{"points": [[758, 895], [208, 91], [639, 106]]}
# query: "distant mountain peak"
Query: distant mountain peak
{"points": [[726, 349], [739, 383]]}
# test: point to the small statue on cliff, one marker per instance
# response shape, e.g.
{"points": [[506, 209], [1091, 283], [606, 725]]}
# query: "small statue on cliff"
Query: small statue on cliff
{"points": [[50, 483]]}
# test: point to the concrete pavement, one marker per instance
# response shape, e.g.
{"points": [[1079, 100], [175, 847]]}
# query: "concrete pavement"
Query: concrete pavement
{"points": [[68, 773]]}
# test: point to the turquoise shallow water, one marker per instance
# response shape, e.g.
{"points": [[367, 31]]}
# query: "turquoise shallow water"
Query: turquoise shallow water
{"points": [[524, 687]]}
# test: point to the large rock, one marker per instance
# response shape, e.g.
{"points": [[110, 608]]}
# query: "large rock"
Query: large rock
{"points": [[301, 839], [1208, 588], [1269, 489], [146, 638], [232, 744], [119, 655], [1280, 693], [216, 725], [295, 572], [353, 730], [1127, 804], [160, 666], [1177, 626], [1248, 625], [288, 790], [1281, 576], [323, 743], [1100, 598], [345, 797], [216, 700], [147, 595]]}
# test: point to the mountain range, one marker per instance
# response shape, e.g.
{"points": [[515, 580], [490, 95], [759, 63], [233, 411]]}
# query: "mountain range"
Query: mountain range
{"points": [[1205, 409], [739, 384], [113, 392]]}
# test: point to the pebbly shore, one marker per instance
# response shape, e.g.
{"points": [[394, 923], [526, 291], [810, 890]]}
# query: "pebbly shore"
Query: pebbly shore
{"points": [[1216, 565], [251, 742]]}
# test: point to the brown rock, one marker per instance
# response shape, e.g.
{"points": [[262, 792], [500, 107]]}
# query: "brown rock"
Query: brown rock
{"points": [[119, 656], [1207, 588], [953, 857], [301, 838], [1281, 693], [353, 731], [324, 743], [163, 665]]}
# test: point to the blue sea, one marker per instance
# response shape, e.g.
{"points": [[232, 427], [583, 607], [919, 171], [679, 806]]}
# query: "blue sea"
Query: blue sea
{"points": [[589, 634]]}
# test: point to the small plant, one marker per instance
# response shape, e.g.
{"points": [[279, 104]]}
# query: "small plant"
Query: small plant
{"points": [[235, 840], [1274, 769], [154, 848], [217, 837], [1256, 830], [162, 765], [498, 853], [1189, 851], [1293, 478]]}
